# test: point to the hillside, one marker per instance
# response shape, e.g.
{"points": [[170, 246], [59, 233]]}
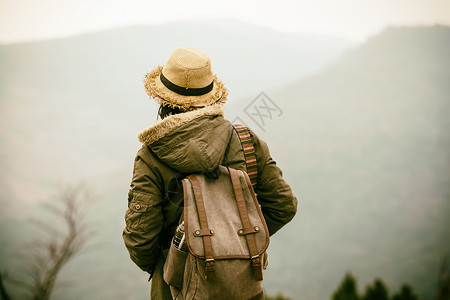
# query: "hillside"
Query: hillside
{"points": [[70, 110], [364, 143], [369, 155], [90, 88]]}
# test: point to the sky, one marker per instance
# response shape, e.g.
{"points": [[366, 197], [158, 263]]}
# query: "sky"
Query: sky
{"points": [[24, 20]]}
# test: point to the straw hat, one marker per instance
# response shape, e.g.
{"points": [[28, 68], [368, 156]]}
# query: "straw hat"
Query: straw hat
{"points": [[186, 81]]}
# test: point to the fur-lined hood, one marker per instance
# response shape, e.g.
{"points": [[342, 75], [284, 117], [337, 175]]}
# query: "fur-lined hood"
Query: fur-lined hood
{"points": [[189, 142], [170, 123]]}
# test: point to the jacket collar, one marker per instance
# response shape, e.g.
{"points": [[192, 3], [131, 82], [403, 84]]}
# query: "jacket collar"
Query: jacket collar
{"points": [[168, 124]]}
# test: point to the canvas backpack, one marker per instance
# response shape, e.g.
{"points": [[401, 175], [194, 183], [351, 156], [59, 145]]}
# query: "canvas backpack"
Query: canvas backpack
{"points": [[225, 235]]}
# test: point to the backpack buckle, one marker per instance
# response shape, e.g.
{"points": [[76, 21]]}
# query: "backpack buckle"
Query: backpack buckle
{"points": [[209, 268], [257, 267]]}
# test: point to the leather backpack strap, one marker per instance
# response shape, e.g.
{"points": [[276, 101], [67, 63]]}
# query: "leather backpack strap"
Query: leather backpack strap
{"points": [[204, 231], [249, 152], [248, 229]]}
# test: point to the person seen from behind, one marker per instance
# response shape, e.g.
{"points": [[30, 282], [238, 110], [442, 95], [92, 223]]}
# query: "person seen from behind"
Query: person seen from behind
{"points": [[192, 136]]}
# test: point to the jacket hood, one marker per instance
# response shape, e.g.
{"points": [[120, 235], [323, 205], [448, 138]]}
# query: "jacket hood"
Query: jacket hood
{"points": [[190, 142]]}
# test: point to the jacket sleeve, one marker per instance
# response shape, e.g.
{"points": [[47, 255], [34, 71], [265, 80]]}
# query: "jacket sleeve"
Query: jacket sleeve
{"points": [[278, 202], [143, 217]]}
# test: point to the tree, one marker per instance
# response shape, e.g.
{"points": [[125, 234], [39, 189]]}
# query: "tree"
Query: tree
{"points": [[443, 292], [347, 290], [49, 258], [405, 293], [376, 292], [3, 291]]}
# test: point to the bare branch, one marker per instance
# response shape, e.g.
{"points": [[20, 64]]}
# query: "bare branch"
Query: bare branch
{"points": [[68, 238], [63, 246]]}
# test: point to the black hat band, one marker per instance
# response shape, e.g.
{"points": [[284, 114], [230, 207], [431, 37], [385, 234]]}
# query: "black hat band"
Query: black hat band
{"points": [[184, 90]]}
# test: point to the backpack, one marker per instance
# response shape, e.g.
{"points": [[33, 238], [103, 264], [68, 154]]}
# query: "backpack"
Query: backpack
{"points": [[225, 239]]}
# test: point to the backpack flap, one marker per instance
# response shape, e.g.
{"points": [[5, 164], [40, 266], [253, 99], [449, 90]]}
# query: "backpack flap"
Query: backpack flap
{"points": [[218, 226]]}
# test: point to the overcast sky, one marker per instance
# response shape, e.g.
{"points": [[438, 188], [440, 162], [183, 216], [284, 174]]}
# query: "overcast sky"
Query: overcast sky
{"points": [[22, 20]]}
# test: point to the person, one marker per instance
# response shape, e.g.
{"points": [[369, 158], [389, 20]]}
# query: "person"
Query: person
{"points": [[192, 137]]}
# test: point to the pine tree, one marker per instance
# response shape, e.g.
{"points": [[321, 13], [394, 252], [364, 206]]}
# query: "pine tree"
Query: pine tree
{"points": [[376, 292], [347, 290], [443, 292], [405, 293]]}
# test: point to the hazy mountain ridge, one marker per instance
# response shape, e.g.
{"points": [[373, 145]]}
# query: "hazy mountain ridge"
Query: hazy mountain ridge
{"points": [[371, 163], [71, 109], [256, 52], [364, 144], [97, 78]]}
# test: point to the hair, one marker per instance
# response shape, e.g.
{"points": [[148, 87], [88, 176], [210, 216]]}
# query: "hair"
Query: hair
{"points": [[165, 111]]}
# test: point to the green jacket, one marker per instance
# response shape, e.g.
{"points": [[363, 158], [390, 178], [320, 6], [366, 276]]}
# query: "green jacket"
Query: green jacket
{"points": [[193, 142]]}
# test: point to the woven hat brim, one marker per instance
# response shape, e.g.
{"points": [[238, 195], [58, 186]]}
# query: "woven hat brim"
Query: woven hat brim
{"points": [[158, 91]]}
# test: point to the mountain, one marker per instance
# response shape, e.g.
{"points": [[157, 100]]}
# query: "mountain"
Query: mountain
{"points": [[362, 137], [70, 111], [365, 144], [95, 81]]}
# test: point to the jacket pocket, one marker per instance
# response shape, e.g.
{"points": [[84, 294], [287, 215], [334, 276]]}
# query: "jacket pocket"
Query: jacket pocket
{"points": [[137, 217], [174, 267]]}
